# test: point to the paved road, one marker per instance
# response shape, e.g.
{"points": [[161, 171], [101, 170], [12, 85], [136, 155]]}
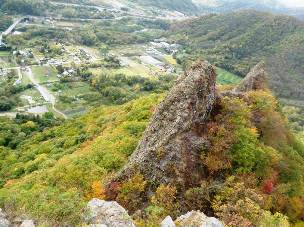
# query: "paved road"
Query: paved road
{"points": [[48, 96]]}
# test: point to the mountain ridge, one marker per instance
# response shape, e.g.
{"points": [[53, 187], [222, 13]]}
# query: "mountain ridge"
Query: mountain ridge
{"points": [[237, 41]]}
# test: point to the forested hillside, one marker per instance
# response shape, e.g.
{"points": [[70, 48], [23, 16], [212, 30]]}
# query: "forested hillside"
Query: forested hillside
{"points": [[237, 41], [184, 6], [275, 6], [30, 7], [54, 172]]}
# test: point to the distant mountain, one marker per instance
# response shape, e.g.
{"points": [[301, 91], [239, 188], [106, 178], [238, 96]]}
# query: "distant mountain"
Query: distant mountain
{"points": [[196, 7], [183, 6], [158, 7], [220, 6], [237, 41]]}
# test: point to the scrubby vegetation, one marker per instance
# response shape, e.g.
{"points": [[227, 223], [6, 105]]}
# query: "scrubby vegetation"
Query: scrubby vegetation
{"points": [[53, 173]]}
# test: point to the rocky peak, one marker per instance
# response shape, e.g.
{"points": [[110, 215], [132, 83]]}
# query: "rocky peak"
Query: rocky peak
{"points": [[169, 149], [256, 79]]}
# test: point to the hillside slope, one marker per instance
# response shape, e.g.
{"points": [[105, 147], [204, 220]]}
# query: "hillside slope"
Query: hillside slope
{"points": [[237, 41], [247, 156], [275, 6], [184, 6], [53, 173]]}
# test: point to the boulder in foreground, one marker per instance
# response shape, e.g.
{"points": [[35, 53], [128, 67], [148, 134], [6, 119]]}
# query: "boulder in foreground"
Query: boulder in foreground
{"points": [[109, 214], [197, 219]]}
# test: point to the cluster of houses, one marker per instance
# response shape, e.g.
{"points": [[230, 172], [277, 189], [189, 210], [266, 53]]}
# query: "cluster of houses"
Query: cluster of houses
{"points": [[162, 43], [67, 73], [77, 57], [23, 53], [155, 57]]}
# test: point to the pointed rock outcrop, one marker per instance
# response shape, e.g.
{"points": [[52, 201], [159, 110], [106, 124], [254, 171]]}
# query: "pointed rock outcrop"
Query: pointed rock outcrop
{"points": [[169, 151], [256, 79]]}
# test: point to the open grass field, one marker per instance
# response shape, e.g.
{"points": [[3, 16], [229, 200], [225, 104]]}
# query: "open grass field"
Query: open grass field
{"points": [[45, 74], [33, 93], [170, 60], [133, 68], [4, 54], [5, 61], [224, 77]]}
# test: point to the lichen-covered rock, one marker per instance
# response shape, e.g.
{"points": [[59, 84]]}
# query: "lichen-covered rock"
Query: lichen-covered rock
{"points": [[169, 150], [27, 223], [109, 214], [197, 219], [167, 222], [3, 221], [256, 79]]}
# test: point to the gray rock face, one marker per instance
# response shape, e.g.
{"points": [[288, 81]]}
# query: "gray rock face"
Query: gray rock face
{"points": [[3, 221], [27, 223], [256, 79], [169, 149], [197, 219], [167, 222], [107, 214]]}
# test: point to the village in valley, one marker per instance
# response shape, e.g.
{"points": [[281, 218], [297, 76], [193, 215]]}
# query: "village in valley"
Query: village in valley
{"points": [[43, 71], [55, 62]]}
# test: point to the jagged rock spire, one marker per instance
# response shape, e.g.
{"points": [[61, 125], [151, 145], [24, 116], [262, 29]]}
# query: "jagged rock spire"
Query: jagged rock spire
{"points": [[256, 79], [169, 149]]}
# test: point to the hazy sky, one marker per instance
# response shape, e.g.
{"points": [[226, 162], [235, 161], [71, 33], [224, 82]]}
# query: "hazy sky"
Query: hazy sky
{"points": [[293, 3]]}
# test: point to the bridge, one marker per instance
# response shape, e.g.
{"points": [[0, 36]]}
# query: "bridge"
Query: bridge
{"points": [[12, 28]]}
